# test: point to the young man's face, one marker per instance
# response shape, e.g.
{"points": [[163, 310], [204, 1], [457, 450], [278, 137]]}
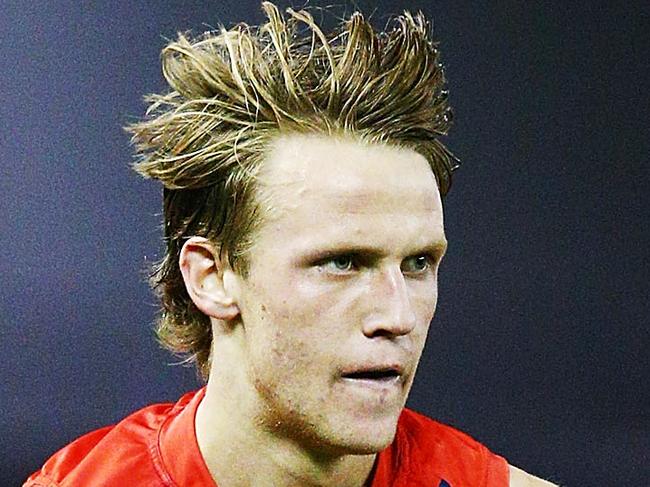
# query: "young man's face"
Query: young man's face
{"points": [[341, 290]]}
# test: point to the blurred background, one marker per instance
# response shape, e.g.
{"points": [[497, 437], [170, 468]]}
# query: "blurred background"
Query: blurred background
{"points": [[539, 348]]}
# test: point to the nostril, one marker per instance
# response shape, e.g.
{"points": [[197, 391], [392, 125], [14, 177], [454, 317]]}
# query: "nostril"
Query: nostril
{"points": [[383, 332], [390, 325]]}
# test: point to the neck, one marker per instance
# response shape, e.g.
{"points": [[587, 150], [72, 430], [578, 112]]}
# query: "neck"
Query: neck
{"points": [[239, 452]]}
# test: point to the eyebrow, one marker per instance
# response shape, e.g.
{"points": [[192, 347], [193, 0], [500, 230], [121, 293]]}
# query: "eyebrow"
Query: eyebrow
{"points": [[437, 248]]}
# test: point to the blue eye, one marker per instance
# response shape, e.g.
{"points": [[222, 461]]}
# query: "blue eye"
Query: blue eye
{"points": [[341, 263], [416, 264]]}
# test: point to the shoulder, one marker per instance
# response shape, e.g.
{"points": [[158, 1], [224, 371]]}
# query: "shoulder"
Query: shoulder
{"points": [[101, 452], [519, 478], [449, 453], [428, 431], [462, 460]]}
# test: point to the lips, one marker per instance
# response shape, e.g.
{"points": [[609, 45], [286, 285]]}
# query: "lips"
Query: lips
{"points": [[377, 373]]}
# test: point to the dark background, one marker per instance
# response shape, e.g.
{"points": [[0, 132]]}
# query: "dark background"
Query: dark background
{"points": [[539, 347]]}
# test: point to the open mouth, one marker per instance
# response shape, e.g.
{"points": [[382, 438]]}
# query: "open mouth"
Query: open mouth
{"points": [[373, 375]]}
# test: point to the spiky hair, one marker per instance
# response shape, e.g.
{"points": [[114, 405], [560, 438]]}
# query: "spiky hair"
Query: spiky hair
{"points": [[234, 90]]}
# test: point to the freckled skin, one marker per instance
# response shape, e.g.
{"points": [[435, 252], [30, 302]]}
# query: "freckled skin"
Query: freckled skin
{"points": [[304, 320], [313, 323]]}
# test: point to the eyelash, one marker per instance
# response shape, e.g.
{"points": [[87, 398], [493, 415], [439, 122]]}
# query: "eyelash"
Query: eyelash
{"points": [[356, 262]]}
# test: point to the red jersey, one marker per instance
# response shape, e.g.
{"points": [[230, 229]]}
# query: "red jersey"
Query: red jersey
{"points": [[157, 447]]}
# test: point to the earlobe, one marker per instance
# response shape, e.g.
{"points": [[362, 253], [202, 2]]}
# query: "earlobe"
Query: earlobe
{"points": [[208, 279]]}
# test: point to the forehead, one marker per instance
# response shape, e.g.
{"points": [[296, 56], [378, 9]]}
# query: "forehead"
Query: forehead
{"points": [[340, 188], [358, 174]]}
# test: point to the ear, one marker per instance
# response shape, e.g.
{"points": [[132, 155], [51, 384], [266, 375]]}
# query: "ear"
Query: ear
{"points": [[209, 280]]}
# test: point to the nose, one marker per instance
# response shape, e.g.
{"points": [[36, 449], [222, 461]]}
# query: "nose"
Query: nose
{"points": [[391, 311]]}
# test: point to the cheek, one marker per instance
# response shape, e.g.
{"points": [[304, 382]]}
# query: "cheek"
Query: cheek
{"points": [[283, 341], [286, 370], [424, 301], [301, 311]]}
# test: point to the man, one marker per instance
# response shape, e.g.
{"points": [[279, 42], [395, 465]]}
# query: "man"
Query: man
{"points": [[303, 178]]}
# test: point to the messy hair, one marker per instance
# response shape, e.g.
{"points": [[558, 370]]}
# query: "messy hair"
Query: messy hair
{"points": [[233, 91]]}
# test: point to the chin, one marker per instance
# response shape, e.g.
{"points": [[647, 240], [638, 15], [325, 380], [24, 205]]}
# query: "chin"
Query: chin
{"points": [[361, 446], [369, 448], [363, 436]]}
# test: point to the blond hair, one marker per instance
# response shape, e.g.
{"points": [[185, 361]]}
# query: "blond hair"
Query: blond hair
{"points": [[233, 91]]}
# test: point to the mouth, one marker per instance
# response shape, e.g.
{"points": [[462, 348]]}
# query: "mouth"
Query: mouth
{"points": [[374, 376]]}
